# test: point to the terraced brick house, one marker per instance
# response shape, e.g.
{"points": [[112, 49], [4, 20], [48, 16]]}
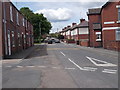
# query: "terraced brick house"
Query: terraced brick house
{"points": [[95, 27], [110, 16], [16, 32]]}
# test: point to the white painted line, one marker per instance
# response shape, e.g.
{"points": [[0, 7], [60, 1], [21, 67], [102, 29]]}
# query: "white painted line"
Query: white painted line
{"points": [[19, 66], [70, 68], [109, 72], [42, 66], [75, 64], [81, 67], [105, 64], [62, 53], [9, 66], [84, 69], [30, 66], [56, 67], [89, 68]]}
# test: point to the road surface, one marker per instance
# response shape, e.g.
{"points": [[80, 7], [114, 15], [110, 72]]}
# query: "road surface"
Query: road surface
{"points": [[60, 65]]}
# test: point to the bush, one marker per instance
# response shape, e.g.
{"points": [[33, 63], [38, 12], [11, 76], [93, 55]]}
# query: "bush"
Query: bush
{"points": [[70, 40]]}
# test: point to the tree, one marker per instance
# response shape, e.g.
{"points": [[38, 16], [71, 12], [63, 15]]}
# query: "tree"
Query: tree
{"points": [[38, 21]]}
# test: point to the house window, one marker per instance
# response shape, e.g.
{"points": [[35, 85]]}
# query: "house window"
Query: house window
{"points": [[26, 23], [11, 14], [98, 36], [23, 22], [19, 42], [17, 18], [13, 39], [118, 35], [118, 14], [24, 39]]}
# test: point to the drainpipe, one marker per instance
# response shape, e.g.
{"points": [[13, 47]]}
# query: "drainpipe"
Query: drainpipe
{"points": [[4, 11]]}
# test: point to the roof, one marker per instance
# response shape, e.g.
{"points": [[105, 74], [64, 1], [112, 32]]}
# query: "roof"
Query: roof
{"points": [[94, 11], [83, 24]]}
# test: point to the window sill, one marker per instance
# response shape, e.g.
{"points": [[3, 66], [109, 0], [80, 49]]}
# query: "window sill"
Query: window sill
{"points": [[13, 46], [118, 21], [98, 40]]}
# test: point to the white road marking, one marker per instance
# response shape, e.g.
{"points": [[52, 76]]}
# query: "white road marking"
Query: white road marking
{"points": [[56, 67], [70, 68], [75, 64], [62, 53], [90, 68], [42, 66], [86, 69], [109, 72], [30, 66], [19, 66], [105, 63]]}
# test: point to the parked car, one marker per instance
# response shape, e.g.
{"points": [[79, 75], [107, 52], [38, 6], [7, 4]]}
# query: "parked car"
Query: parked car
{"points": [[50, 42], [57, 41], [53, 40]]}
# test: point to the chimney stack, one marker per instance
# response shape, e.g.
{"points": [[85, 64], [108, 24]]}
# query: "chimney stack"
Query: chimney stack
{"points": [[68, 26], [73, 24], [82, 20]]}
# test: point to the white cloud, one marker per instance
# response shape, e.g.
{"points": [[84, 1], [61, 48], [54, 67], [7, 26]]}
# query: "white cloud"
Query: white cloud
{"points": [[57, 15]]}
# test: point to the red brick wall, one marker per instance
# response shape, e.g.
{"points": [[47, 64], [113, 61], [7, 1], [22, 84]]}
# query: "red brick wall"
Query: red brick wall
{"points": [[110, 13], [1, 51], [92, 32], [83, 36], [13, 26], [84, 43]]}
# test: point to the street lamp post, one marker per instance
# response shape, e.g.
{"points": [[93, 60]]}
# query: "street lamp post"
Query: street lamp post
{"points": [[40, 30]]}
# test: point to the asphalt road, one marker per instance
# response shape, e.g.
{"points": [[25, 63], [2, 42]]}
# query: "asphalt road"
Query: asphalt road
{"points": [[62, 66]]}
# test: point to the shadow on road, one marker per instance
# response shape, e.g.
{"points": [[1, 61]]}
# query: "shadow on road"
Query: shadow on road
{"points": [[41, 50]]}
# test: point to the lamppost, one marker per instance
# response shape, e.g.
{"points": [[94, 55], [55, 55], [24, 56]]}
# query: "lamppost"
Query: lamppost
{"points": [[40, 30]]}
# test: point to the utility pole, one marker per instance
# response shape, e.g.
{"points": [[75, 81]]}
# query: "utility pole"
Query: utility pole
{"points": [[57, 30], [40, 30]]}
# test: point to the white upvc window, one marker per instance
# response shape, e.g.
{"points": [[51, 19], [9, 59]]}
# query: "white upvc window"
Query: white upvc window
{"points": [[11, 14], [26, 23], [17, 15], [118, 14], [83, 31], [23, 22], [19, 41], [98, 36], [118, 35], [75, 32], [72, 33], [13, 39]]}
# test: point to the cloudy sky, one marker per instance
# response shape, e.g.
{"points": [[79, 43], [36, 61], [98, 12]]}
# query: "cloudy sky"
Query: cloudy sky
{"points": [[61, 14]]}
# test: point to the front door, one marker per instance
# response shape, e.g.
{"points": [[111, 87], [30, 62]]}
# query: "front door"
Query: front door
{"points": [[9, 43]]}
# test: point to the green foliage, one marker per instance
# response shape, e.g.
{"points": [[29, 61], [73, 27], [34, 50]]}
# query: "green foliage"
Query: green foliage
{"points": [[55, 35], [40, 23], [60, 36], [70, 40]]}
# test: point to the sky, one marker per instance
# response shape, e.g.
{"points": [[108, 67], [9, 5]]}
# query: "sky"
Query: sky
{"points": [[61, 14]]}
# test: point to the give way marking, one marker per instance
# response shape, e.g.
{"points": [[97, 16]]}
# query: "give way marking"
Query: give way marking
{"points": [[104, 63]]}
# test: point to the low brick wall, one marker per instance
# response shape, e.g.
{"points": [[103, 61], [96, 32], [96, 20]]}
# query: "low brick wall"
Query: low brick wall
{"points": [[112, 45], [70, 41], [84, 43]]}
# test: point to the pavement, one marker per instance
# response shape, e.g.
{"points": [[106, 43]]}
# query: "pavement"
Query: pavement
{"points": [[22, 54], [61, 65]]}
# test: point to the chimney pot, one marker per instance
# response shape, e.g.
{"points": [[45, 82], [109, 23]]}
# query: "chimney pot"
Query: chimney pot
{"points": [[73, 24], [82, 20]]}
